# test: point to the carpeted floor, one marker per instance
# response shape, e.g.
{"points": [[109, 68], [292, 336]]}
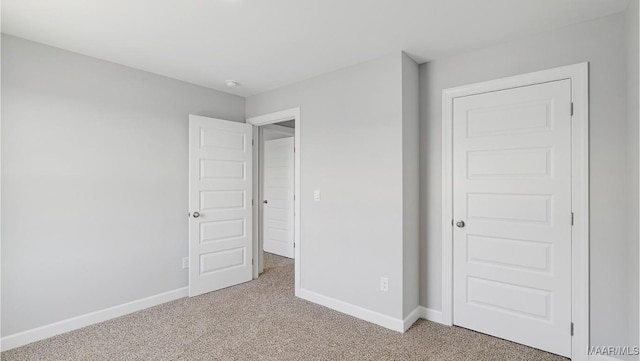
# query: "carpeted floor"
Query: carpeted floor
{"points": [[263, 320]]}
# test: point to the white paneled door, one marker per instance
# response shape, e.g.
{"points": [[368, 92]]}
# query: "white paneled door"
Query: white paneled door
{"points": [[512, 210], [220, 193], [278, 231]]}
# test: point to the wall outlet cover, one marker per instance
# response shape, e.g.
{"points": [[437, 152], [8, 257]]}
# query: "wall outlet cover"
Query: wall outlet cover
{"points": [[384, 284]]}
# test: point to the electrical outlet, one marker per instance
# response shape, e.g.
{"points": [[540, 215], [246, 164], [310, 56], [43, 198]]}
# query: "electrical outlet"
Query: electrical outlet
{"points": [[316, 195], [185, 262], [384, 284]]}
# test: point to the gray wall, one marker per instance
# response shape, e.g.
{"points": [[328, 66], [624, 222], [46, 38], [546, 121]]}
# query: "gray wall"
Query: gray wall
{"points": [[602, 43], [351, 149], [94, 182], [632, 115]]}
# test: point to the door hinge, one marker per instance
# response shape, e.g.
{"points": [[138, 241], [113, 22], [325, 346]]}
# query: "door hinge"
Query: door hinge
{"points": [[572, 218], [252, 201], [571, 328], [252, 261], [252, 139], [571, 108]]}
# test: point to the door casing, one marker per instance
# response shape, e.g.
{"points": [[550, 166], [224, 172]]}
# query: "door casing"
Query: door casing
{"points": [[579, 76], [271, 118]]}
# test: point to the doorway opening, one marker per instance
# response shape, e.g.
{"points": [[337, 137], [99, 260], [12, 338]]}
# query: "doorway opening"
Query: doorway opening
{"points": [[277, 189]]}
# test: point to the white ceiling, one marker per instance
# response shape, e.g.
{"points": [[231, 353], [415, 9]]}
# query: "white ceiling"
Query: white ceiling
{"points": [[265, 44]]}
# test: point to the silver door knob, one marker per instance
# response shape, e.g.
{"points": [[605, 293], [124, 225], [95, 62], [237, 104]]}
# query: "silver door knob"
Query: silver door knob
{"points": [[196, 214], [460, 224]]}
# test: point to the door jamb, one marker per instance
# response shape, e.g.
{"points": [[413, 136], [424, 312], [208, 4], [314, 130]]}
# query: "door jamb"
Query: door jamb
{"points": [[284, 115], [579, 76]]}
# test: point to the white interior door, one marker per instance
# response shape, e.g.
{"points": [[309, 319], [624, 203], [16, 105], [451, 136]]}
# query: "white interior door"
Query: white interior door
{"points": [[278, 204], [220, 194], [512, 190]]}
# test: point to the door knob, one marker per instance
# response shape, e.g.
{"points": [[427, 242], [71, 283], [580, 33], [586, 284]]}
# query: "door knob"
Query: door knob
{"points": [[265, 201], [460, 224], [196, 214]]}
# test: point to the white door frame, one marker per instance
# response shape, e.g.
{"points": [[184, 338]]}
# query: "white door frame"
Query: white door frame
{"points": [[281, 116], [579, 75]]}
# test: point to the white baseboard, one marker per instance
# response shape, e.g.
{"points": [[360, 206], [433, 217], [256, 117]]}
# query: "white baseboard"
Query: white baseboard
{"points": [[430, 314], [412, 318], [371, 316], [40, 333], [353, 310]]}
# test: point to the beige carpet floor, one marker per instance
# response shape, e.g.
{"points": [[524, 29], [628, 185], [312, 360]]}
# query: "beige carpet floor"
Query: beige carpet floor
{"points": [[263, 320]]}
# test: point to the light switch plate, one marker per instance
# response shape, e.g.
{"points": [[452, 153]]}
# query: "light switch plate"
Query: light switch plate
{"points": [[316, 195]]}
